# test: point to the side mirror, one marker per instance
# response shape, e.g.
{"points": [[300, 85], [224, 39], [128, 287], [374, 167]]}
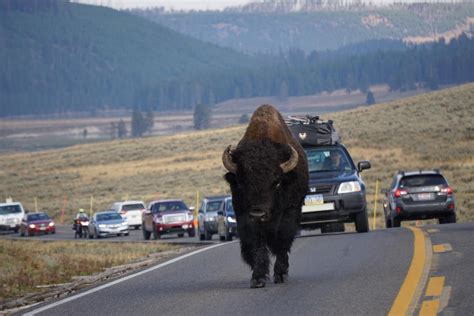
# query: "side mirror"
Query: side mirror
{"points": [[192, 208], [363, 165], [147, 212]]}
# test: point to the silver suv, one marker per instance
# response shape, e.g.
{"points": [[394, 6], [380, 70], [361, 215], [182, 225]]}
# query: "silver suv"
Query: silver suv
{"points": [[208, 215]]}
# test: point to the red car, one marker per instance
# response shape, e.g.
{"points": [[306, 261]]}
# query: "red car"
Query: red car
{"points": [[167, 217], [37, 223]]}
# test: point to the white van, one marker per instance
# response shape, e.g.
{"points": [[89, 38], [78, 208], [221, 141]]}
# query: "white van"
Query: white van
{"points": [[11, 215], [131, 211]]}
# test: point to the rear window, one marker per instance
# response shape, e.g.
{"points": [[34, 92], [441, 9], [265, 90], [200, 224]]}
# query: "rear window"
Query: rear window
{"points": [[38, 217], [10, 209], [214, 206], [132, 207], [169, 206], [422, 180]]}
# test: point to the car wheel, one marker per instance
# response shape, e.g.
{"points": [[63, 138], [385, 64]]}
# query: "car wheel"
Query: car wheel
{"points": [[222, 238], [228, 237], [127, 234], [91, 236], [362, 222], [191, 232], [202, 237], [388, 223], [156, 234], [53, 232], [146, 234], [396, 222], [208, 235], [15, 230], [451, 218], [137, 227], [180, 235], [96, 234]]}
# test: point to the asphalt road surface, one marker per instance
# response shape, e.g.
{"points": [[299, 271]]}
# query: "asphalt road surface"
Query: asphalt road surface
{"points": [[425, 270]]}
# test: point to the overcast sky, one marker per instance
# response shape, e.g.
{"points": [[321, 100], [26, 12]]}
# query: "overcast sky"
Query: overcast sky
{"points": [[191, 4]]}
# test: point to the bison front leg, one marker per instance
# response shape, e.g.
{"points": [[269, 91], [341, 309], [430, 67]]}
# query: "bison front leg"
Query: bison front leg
{"points": [[255, 254]]}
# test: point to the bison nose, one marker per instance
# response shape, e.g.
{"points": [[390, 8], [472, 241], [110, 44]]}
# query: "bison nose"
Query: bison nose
{"points": [[258, 213]]}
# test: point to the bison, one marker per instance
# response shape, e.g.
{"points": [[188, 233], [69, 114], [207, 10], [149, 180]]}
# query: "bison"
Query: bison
{"points": [[268, 178]]}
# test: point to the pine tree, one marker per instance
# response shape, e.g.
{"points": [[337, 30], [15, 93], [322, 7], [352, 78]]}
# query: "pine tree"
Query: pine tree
{"points": [[121, 129], [139, 124], [202, 116], [370, 98]]}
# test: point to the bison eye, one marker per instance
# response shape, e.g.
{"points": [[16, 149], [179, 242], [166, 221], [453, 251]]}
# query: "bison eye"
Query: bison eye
{"points": [[277, 184]]}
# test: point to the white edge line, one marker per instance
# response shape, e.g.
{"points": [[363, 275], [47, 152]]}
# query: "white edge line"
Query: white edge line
{"points": [[96, 289]]}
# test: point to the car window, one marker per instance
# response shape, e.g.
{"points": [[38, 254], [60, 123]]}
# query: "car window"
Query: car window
{"points": [[108, 217], [169, 206], [10, 209], [213, 206], [422, 180], [37, 217], [132, 207], [229, 208], [327, 159]]}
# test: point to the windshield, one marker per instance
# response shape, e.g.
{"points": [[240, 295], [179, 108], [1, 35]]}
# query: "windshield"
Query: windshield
{"points": [[169, 206], [10, 209], [38, 217], [422, 180], [327, 159], [108, 217], [132, 207], [213, 206]]}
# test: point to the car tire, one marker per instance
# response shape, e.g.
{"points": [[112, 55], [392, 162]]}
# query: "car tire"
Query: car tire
{"points": [[22, 233], [91, 236], [388, 223], [207, 235], [137, 227], [228, 237], [180, 235], [96, 235], [126, 234], [146, 234], [396, 222], [202, 237], [451, 218], [156, 234], [222, 238], [15, 230], [191, 233], [362, 222]]}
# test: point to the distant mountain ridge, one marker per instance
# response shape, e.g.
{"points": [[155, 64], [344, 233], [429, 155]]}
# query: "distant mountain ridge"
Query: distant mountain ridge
{"points": [[274, 26]]}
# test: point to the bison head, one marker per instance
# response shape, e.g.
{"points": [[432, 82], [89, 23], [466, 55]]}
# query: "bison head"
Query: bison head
{"points": [[258, 172]]}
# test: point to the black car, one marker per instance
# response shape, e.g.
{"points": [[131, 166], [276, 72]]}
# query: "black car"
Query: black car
{"points": [[336, 190], [421, 194]]}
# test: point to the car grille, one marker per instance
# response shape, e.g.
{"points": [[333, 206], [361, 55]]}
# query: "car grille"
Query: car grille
{"points": [[174, 218], [321, 189]]}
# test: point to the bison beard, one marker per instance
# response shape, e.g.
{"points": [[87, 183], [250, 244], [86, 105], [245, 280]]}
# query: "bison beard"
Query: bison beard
{"points": [[268, 178]]}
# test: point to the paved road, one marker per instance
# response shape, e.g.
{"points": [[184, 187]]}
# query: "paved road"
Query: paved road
{"points": [[336, 274]]}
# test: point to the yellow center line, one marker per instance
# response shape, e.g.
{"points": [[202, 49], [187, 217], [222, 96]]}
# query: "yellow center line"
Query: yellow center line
{"points": [[442, 248], [410, 285], [435, 286], [429, 308]]}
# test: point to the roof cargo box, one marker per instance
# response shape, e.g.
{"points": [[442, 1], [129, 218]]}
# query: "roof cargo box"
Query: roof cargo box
{"points": [[311, 131]]}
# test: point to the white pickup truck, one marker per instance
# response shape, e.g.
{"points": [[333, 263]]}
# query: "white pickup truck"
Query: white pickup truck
{"points": [[11, 214]]}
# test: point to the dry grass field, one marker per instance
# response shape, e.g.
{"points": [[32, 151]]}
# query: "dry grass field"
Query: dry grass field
{"points": [[433, 130], [29, 264]]}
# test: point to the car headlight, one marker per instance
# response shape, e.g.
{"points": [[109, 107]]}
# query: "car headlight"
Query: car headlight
{"points": [[349, 187], [51, 224], [231, 219], [32, 225], [102, 225], [210, 218]]}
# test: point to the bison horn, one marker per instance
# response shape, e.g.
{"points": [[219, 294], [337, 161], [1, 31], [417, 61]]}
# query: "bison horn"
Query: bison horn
{"points": [[291, 163], [227, 160]]}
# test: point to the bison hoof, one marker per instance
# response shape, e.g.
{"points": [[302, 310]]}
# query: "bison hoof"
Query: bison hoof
{"points": [[257, 283], [280, 278]]}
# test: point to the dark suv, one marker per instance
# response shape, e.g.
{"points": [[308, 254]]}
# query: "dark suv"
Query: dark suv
{"points": [[422, 194], [336, 190]]}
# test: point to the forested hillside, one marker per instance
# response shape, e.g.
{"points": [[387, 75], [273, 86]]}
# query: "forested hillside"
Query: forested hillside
{"points": [[273, 26], [60, 57], [57, 56]]}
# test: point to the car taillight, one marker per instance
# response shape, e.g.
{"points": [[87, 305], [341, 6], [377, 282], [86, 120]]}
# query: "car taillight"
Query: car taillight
{"points": [[399, 193], [451, 207], [446, 190], [398, 209]]}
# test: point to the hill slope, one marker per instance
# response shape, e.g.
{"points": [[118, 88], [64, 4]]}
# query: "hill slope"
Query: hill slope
{"points": [[273, 26], [428, 131], [56, 55]]}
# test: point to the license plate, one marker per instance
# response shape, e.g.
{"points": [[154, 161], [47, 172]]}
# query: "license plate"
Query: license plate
{"points": [[43, 228], [424, 196], [316, 199]]}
